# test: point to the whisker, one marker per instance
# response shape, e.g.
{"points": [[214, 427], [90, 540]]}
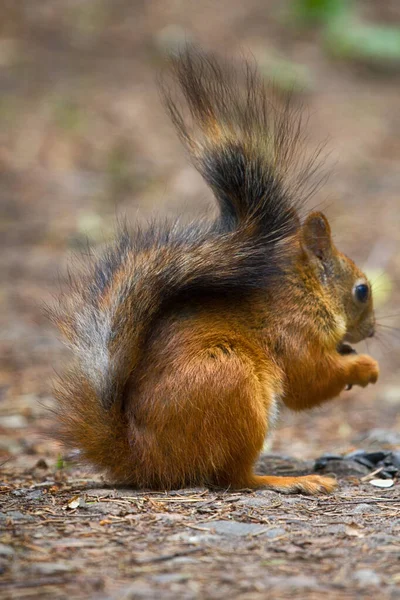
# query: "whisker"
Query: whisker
{"points": [[382, 291], [376, 280], [378, 276], [383, 343], [390, 337], [388, 327], [393, 340]]}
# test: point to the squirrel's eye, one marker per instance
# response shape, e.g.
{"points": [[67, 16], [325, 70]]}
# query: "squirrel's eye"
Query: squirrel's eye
{"points": [[361, 292]]}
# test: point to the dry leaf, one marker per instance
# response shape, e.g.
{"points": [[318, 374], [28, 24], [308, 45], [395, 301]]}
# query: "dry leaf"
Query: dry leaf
{"points": [[74, 502], [354, 531]]}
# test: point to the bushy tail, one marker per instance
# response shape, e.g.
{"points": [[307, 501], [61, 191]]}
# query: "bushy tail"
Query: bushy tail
{"points": [[107, 311], [246, 143]]}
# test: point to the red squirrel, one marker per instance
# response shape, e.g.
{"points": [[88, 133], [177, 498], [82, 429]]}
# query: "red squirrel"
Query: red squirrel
{"points": [[186, 337]]}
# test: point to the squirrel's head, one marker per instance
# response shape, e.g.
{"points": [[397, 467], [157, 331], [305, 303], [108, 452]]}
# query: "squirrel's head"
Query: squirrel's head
{"points": [[346, 286]]}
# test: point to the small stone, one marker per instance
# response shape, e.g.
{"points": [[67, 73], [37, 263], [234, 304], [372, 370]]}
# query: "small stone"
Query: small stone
{"points": [[34, 495], [53, 568], [189, 537], [104, 493], [294, 582], [395, 459], [234, 528], [362, 509], [356, 453], [13, 421], [363, 460], [104, 508], [16, 515], [257, 501], [376, 457], [388, 473], [336, 529], [323, 460], [344, 468], [6, 550], [171, 518], [275, 532], [366, 577]]}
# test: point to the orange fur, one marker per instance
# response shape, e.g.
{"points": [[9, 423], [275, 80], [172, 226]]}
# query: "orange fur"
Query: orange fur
{"points": [[186, 340]]}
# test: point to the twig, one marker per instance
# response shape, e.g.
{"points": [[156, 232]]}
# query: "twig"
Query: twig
{"points": [[360, 501], [164, 557], [370, 475], [34, 582], [182, 499], [197, 527]]}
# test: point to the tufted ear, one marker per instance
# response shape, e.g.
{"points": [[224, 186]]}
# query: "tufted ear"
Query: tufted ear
{"points": [[316, 236]]}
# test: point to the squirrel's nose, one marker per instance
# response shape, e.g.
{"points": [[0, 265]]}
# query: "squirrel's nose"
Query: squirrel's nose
{"points": [[372, 333]]}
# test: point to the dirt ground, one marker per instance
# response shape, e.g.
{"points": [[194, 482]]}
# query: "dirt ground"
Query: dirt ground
{"points": [[83, 140]]}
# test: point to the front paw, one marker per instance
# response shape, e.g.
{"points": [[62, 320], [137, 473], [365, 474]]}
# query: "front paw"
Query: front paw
{"points": [[365, 370]]}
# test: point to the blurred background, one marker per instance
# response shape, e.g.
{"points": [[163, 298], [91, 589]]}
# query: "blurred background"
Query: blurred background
{"points": [[84, 140]]}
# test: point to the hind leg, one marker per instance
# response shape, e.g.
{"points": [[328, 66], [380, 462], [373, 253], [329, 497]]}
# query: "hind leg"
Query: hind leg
{"points": [[200, 420], [204, 421]]}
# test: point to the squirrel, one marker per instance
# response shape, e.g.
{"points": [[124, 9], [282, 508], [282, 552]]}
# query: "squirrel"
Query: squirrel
{"points": [[186, 338]]}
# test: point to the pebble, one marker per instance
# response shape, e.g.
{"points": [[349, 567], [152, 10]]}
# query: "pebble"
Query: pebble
{"points": [[6, 550], [366, 577], [294, 582], [275, 532], [16, 515], [365, 508], [341, 467], [13, 421], [261, 502], [53, 568], [234, 528], [34, 495]]}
